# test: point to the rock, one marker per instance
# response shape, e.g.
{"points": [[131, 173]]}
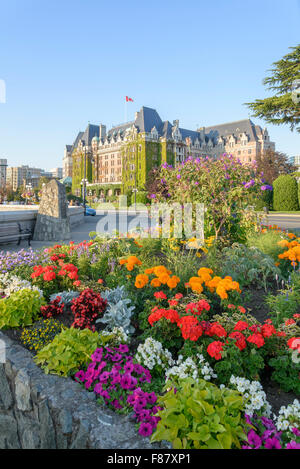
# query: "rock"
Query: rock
{"points": [[47, 428], [9, 437], [22, 391], [65, 420], [53, 221], [5, 392], [80, 442]]}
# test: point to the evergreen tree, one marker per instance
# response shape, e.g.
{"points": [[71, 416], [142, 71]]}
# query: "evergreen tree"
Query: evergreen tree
{"points": [[280, 108]]}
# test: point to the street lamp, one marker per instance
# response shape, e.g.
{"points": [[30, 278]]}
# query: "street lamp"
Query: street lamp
{"points": [[135, 190]]}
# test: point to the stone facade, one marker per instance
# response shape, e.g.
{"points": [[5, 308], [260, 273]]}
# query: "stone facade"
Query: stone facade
{"points": [[39, 411], [125, 154], [53, 222]]}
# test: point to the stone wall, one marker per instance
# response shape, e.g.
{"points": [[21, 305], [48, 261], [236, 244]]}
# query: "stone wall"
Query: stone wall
{"points": [[50, 412], [27, 216]]}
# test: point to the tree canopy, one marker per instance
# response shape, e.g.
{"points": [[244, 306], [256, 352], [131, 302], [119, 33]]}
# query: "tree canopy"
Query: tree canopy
{"points": [[274, 163], [280, 108]]}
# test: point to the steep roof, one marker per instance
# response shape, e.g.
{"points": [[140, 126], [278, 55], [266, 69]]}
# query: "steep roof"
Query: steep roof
{"points": [[120, 128], [147, 118], [232, 128], [79, 137], [90, 132]]}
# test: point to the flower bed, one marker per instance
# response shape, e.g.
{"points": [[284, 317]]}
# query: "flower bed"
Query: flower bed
{"points": [[165, 335]]}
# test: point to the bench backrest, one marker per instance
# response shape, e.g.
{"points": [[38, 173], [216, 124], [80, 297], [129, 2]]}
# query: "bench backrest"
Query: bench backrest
{"points": [[7, 229]]}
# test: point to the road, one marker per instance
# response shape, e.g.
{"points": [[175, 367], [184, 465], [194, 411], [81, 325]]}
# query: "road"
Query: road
{"points": [[108, 222]]}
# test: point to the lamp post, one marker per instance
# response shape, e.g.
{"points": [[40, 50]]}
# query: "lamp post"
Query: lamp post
{"points": [[135, 190], [2, 176]]}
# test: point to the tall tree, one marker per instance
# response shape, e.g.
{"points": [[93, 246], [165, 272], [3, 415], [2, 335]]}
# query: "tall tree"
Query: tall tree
{"points": [[280, 108], [274, 163]]}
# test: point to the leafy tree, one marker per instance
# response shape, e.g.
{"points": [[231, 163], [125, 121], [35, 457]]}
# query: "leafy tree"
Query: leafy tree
{"points": [[280, 108], [43, 180], [274, 163], [285, 196]]}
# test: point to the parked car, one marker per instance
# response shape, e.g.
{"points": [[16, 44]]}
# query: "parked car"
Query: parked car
{"points": [[89, 211]]}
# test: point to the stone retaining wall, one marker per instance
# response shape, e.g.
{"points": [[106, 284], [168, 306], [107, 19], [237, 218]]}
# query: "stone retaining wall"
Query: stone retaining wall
{"points": [[49, 412]]}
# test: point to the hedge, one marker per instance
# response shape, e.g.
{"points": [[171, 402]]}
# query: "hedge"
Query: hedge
{"points": [[285, 193]]}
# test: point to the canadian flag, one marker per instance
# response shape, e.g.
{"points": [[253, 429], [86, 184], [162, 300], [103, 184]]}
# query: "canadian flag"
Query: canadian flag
{"points": [[129, 99]]}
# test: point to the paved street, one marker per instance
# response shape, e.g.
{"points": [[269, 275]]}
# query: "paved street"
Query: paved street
{"points": [[110, 222], [103, 222]]}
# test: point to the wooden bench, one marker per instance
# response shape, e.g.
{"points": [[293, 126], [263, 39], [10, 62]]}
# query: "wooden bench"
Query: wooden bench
{"points": [[14, 232]]}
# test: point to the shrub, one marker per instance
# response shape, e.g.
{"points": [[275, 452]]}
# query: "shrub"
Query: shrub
{"points": [[40, 334], [266, 243], [119, 311], [225, 186], [54, 308], [286, 371], [11, 283], [86, 308], [249, 265], [265, 200], [70, 350], [54, 277], [66, 297], [284, 305], [141, 198], [200, 416], [21, 309], [285, 196]]}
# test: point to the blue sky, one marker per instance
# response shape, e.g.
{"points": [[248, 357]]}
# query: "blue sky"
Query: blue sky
{"points": [[69, 62]]}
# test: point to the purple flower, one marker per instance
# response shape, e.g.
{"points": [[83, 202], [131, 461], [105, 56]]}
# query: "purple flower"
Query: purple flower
{"points": [[293, 445], [123, 348], [272, 443], [151, 398], [268, 423], [79, 376], [98, 388], [266, 187], [104, 377], [296, 431], [254, 439], [126, 381], [145, 429], [117, 357], [250, 184], [97, 355], [128, 367], [116, 404]]}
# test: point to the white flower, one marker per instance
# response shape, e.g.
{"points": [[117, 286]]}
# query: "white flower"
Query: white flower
{"points": [[151, 354], [255, 399]]}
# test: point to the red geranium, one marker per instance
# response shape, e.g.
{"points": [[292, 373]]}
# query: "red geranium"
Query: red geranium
{"points": [[190, 328], [216, 329], [49, 276], [240, 340], [256, 339], [160, 295], [214, 349], [267, 330], [241, 326]]}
